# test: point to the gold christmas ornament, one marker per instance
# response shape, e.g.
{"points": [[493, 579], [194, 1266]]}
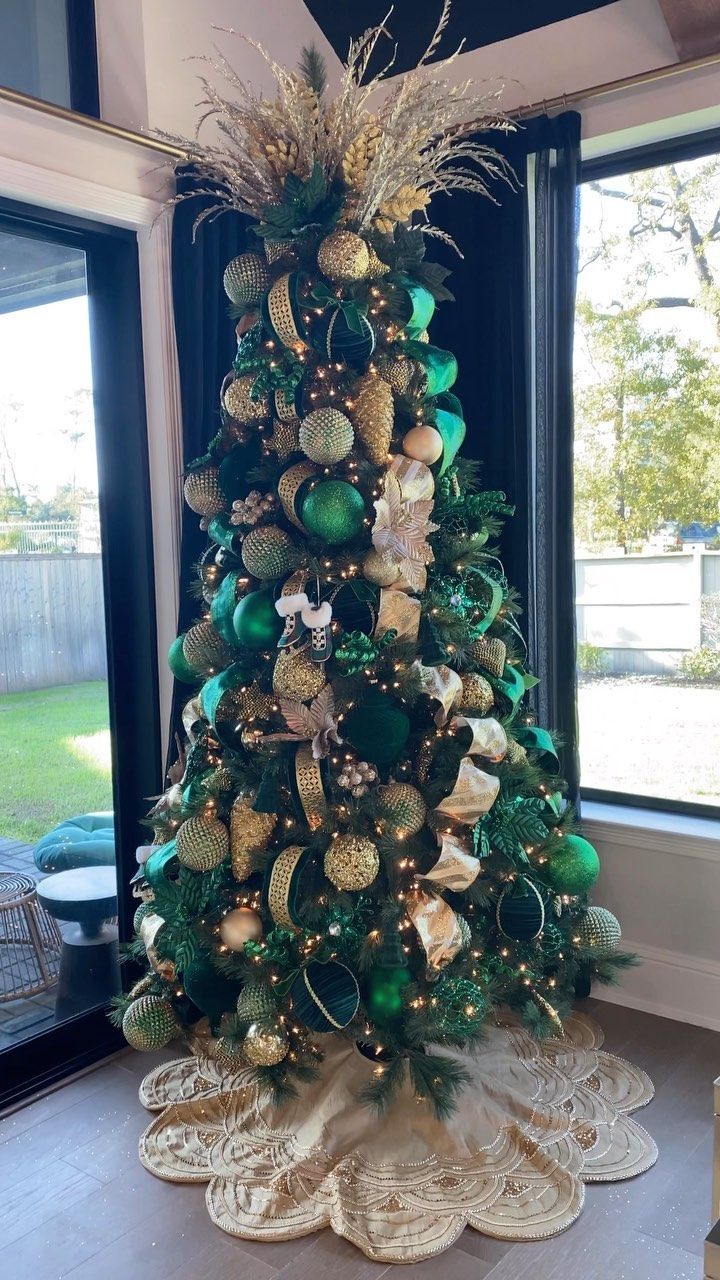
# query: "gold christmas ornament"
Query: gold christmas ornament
{"points": [[141, 987], [378, 570], [276, 251], [255, 1003], [424, 443], [343, 256], [399, 373], [374, 415], [240, 406], [202, 842], [203, 493], [205, 650], [265, 1047], [149, 1023], [246, 704], [403, 808], [246, 278], [351, 862], [250, 834], [516, 753], [490, 653], [239, 926], [477, 693], [326, 436], [599, 930], [228, 1056], [285, 438], [377, 268], [297, 676], [268, 552]]}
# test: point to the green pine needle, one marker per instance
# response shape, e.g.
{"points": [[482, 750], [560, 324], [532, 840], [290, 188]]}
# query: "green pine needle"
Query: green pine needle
{"points": [[313, 69]]}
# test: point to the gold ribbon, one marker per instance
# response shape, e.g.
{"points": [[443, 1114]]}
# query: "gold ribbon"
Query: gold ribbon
{"points": [[437, 926], [150, 927], [488, 738], [288, 486], [285, 406], [416, 480], [280, 884], [443, 685], [456, 868], [281, 313], [310, 788], [399, 612], [473, 795]]}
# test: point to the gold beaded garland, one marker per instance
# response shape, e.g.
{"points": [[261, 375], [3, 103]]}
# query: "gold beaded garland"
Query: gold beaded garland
{"points": [[250, 833], [202, 842], [265, 1047], [246, 278], [343, 255], [297, 676], [240, 406], [326, 436], [351, 862], [203, 493], [403, 808], [268, 552], [477, 693]]}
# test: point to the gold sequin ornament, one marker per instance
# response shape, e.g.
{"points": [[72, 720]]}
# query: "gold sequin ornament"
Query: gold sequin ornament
{"points": [[477, 693], [351, 862], [373, 416], [490, 653], [149, 1023], [343, 256], [265, 1047], [205, 650], [599, 930], [378, 570], [246, 278], [297, 676], [268, 552], [285, 438], [250, 834], [202, 842], [326, 436], [238, 402], [203, 493], [403, 808]]}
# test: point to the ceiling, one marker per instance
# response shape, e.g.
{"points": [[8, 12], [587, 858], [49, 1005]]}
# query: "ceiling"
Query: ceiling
{"points": [[412, 22]]}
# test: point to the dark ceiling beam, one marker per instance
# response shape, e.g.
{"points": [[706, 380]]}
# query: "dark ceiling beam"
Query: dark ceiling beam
{"points": [[694, 26]]}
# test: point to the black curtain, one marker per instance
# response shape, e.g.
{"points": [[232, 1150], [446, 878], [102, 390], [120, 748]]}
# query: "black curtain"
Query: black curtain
{"points": [[206, 345], [512, 331]]}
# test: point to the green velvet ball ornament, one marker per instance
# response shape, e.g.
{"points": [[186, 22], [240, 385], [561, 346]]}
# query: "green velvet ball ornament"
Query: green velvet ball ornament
{"points": [[574, 866], [179, 664], [325, 997], [210, 991], [333, 511], [377, 729], [520, 912], [256, 622]]}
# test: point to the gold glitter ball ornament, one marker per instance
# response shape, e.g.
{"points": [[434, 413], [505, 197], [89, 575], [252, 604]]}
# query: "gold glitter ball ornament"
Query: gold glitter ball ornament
{"points": [[297, 676], [403, 808], [239, 926], [326, 436], [599, 930], [344, 256], [351, 862], [477, 694], [265, 1047], [205, 650], [202, 842], [374, 416], [378, 570], [149, 1023], [250, 833], [203, 493], [268, 552], [246, 278], [240, 406]]}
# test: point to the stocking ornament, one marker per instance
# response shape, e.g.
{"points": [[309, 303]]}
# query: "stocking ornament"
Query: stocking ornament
{"points": [[317, 619], [291, 609]]}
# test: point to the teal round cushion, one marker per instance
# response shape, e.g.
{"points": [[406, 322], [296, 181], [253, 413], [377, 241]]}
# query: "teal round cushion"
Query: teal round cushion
{"points": [[87, 840]]}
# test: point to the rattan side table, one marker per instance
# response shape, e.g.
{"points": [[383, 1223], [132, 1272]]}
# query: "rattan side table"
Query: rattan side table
{"points": [[30, 940]]}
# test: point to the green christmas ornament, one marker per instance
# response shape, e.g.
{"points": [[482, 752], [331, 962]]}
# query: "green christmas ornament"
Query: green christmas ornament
{"points": [[520, 912], [334, 511], [179, 664], [458, 1004], [574, 866], [210, 991], [256, 622], [388, 979], [149, 1023], [325, 996], [377, 729]]}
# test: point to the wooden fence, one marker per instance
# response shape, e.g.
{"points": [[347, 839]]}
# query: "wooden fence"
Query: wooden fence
{"points": [[52, 624]]}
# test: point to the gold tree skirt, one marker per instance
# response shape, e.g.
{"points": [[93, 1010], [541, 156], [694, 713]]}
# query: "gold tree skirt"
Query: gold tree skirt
{"points": [[540, 1119]]}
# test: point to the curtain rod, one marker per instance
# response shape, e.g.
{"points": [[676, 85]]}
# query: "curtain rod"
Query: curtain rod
{"points": [[560, 102]]}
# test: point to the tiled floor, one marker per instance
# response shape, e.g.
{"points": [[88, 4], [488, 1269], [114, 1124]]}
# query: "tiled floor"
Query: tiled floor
{"points": [[21, 1019], [76, 1203]]}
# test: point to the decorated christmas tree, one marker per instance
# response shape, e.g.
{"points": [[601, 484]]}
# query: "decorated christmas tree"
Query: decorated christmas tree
{"points": [[365, 834]]}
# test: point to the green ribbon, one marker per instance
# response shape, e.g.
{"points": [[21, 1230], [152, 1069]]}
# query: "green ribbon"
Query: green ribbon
{"points": [[449, 421], [496, 599], [223, 607], [511, 685], [420, 308], [353, 311], [157, 865], [214, 690], [220, 530], [539, 740], [441, 367]]}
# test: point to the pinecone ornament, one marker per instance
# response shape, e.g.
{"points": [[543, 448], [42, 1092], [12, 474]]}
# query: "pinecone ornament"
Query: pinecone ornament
{"points": [[403, 808], [250, 833], [205, 650], [373, 416], [343, 256], [149, 1023], [399, 373], [326, 436], [239, 403], [203, 493], [256, 1004], [202, 842], [490, 653], [246, 278], [268, 552]]}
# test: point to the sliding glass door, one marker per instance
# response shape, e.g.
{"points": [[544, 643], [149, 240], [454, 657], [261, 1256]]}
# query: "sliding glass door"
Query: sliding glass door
{"points": [[78, 703]]}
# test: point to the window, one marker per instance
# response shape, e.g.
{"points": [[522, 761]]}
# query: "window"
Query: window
{"points": [[48, 50], [647, 478]]}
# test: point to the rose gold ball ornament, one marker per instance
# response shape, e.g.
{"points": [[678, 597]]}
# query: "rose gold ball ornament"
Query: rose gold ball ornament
{"points": [[424, 443], [240, 926]]}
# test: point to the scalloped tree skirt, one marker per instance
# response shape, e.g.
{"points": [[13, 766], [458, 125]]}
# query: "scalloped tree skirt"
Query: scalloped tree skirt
{"points": [[540, 1120]]}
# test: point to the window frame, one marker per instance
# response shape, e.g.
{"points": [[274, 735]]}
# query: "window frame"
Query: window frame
{"points": [[651, 156], [113, 286]]}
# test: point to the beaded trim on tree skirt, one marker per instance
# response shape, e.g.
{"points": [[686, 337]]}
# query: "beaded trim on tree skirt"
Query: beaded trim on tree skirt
{"points": [[540, 1119]]}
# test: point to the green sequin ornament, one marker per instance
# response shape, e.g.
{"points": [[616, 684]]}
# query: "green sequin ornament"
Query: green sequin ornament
{"points": [[333, 511]]}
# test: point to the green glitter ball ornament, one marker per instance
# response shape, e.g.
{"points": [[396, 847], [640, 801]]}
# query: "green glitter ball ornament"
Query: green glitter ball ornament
{"points": [[179, 664], [574, 866], [256, 622], [334, 511]]}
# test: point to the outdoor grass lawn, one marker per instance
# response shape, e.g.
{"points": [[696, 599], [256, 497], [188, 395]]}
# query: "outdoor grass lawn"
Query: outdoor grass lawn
{"points": [[54, 759]]}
